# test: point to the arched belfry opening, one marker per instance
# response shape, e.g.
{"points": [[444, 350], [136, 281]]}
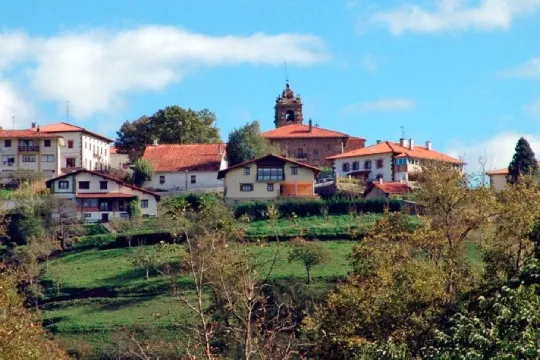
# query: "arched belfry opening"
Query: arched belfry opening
{"points": [[288, 108]]}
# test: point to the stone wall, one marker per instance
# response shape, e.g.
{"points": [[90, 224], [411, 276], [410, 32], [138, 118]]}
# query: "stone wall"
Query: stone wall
{"points": [[315, 151]]}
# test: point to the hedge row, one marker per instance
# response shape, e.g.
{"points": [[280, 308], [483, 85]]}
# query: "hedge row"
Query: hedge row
{"points": [[257, 209]]}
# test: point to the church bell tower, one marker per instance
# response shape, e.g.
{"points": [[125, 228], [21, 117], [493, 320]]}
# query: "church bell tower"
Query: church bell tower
{"points": [[288, 108]]}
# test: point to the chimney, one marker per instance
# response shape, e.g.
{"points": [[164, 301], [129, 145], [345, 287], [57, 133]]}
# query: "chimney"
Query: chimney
{"points": [[310, 125], [411, 144], [219, 149], [379, 141], [155, 142], [33, 125], [380, 180], [38, 129], [403, 142], [428, 145]]}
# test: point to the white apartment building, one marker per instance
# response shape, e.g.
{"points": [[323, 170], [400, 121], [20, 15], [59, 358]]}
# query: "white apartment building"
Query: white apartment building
{"points": [[27, 150], [388, 161], [83, 148]]}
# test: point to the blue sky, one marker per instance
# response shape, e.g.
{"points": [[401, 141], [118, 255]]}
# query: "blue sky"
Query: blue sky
{"points": [[463, 74]]}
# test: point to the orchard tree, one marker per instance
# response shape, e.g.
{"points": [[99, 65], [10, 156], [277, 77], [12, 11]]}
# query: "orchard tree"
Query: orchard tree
{"points": [[143, 171], [247, 143], [308, 253], [523, 162], [171, 125]]}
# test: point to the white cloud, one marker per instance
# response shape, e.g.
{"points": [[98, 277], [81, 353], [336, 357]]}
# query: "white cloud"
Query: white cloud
{"points": [[530, 69], [382, 105], [370, 64], [13, 47], [497, 151], [533, 109], [455, 15], [13, 105], [95, 70]]}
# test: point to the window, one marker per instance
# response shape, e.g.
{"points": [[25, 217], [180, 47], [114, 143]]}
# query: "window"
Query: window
{"points": [[345, 167], [103, 185], [63, 184], [70, 144], [84, 185], [193, 179], [401, 161], [85, 145], [46, 143], [367, 164], [90, 203], [144, 204], [47, 158], [8, 160], [380, 163], [162, 179], [7, 143], [29, 158], [269, 173], [246, 187], [70, 162], [105, 152], [122, 205], [356, 165], [87, 215], [247, 170], [103, 206], [269, 187], [301, 154], [294, 170]]}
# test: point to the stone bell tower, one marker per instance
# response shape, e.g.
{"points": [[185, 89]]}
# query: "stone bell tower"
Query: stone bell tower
{"points": [[288, 108]]}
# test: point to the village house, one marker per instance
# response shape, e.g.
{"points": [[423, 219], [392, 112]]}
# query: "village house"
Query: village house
{"points": [[386, 190], [117, 160], [309, 144], [497, 178], [98, 197], [186, 167], [388, 161], [83, 148], [29, 151], [268, 178]]}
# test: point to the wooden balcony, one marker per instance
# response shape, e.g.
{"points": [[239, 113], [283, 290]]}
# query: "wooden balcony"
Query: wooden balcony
{"points": [[29, 148]]}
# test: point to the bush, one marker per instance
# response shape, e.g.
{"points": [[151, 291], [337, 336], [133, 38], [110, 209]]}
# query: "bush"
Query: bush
{"points": [[256, 210]]}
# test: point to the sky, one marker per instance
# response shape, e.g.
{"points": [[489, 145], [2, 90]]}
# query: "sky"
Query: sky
{"points": [[464, 74]]}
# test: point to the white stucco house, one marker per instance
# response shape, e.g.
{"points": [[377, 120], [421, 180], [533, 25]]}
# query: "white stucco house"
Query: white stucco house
{"points": [[186, 167], [98, 197], [83, 148], [497, 178], [119, 161], [388, 161]]}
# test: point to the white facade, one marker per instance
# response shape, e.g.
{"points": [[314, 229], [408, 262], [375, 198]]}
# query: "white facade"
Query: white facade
{"points": [[100, 198], [83, 150], [374, 171], [30, 154], [185, 181], [498, 181]]}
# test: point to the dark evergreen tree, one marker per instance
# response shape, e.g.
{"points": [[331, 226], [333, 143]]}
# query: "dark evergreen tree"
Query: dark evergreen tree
{"points": [[523, 162]]}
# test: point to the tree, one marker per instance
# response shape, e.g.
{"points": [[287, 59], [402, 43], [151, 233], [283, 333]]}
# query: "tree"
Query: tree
{"points": [[147, 259], [523, 162], [64, 223], [172, 125], [21, 334], [309, 253], [143, 171], [247, 143], [134, 211]]}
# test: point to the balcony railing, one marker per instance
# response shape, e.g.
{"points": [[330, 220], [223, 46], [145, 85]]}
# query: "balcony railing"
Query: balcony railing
{"points": [[29, 148]]}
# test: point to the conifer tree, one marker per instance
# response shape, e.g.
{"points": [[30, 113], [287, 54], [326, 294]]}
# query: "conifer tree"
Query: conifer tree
{"points": [[523, 162]]}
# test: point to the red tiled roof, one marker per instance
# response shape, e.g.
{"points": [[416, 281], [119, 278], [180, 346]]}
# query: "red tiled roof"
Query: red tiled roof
{"points": [[113, 150], [65, 127], [27, 134], [221, 173], [387, 147], [354, 143], [192, 157], [301, 131], [392, 187], [111, 195], [118, 181], [501, 171]]}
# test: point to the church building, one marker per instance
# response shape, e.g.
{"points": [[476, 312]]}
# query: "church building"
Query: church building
{"points": [[309, 143]]}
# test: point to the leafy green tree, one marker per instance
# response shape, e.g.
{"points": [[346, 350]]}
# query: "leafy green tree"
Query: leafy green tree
{"points": [[143, 171], [147, 259], [134, 211], [523, 162], [308, 253], [171, 125], [247, 143]]}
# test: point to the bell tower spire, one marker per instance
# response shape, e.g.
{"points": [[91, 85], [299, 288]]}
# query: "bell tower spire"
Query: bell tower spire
{"points": [[288, 108]]}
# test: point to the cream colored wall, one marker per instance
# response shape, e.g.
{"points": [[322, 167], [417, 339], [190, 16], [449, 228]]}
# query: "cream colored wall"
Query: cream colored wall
{"points": [[385, 171], [235, 177], [49, 169], [498, 182]]}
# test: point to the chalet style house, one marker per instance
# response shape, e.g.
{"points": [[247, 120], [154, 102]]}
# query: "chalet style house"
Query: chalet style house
{"points": [[186, 167], [100, 198], [269, 178], [29, 151], [306, 143], [83, 148], [388, 161]]}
